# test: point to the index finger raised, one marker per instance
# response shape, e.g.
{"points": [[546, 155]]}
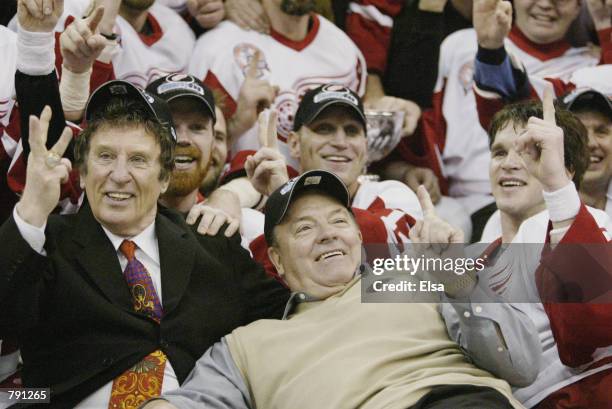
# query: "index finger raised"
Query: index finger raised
{"points": [[94, 18], [548, 108], [425, 201], [253, 67], [271, 130]]}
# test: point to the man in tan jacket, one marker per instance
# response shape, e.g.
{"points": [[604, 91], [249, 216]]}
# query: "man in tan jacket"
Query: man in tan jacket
{"points": [[331, 350]]}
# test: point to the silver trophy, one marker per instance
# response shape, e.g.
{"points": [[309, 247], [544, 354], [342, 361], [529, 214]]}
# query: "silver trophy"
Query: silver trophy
{"points": [[384, 132]]}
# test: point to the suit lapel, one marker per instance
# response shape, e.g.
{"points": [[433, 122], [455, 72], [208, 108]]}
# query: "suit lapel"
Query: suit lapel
{"points": [[177, 256], [99, 259]]}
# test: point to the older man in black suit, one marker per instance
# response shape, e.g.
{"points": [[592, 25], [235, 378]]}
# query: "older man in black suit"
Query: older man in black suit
{"points": [[99, 337]]}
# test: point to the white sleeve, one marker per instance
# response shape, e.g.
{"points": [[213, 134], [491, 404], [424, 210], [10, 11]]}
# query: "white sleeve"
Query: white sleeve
{"points": [[34, 236]]}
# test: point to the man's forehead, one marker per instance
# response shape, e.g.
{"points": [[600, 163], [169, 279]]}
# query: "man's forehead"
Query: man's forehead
{"points": [[337, 113], [312, 204], [115, 134]]}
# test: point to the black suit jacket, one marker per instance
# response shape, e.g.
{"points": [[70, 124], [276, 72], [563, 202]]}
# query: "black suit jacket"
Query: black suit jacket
{"points": [[73, 313]]}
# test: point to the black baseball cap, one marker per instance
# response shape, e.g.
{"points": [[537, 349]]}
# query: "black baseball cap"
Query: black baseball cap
{"points": [[317, 99], [279, 201], [587, 98], [182, 85], [157, 107]]}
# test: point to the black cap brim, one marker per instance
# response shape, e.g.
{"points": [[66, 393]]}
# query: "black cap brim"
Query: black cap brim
{"points": [[579, 97], [280, 200], [157, 107], [333, 102]]}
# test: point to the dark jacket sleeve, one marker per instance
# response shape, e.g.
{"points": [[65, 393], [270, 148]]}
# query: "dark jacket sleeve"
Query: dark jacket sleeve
{"points": [[266, 297], [33, 93]]}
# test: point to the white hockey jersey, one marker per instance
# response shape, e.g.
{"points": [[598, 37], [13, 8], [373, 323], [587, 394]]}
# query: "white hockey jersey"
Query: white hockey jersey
{"points": [[8, 51], [465, 151], [326, 54]]}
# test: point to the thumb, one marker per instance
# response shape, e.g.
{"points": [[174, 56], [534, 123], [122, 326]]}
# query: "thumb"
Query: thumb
{"points": [[94, 18]]}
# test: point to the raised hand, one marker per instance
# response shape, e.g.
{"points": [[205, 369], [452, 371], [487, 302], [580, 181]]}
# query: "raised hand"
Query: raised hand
{"points": [[45, 173], [433, 232], [267, 169], [541, 147], [601, 13], [248, 14], [417, 176], [208, 13], [39, 15], [412, 112], [80, 44], [492, 20], [255, 96]]}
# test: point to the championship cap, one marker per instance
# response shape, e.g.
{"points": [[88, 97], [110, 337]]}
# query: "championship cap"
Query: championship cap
{"points": [[157, 107], [587, 98], [316, 100], [279, 201], [182, 85]]}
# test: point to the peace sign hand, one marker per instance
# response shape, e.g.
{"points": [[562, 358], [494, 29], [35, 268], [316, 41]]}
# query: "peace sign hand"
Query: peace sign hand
{"points": [[541, 147], [81, 44], [267, 169], [46, 171]]}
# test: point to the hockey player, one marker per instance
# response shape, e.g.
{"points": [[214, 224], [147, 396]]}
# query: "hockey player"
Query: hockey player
{"points": [[302, 51], [533, 153]]}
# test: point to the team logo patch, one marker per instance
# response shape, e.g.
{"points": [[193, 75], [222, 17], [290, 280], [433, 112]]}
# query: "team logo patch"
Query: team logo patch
{"points": [[288, 186], [171, 86], [244, 52], [312, 180], [466, 76], [335, 91]]}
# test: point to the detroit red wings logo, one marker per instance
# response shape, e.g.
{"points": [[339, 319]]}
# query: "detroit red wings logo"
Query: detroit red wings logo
{"points": [[466, 76], [244, 53]]}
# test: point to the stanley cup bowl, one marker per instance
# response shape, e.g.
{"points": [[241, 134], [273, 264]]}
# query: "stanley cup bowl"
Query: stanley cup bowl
{"points": [[384, 132]]}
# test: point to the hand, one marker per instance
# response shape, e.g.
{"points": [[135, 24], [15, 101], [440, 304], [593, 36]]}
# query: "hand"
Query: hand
{"points": [[111, 10], [267, 170], [416, 176], [601, 13], [248, 14], [221, 207], [39, 16], [412, 112], [492, 20], [255, 96], [541, 147], [433, 232], [45, 173], [79, 43], [208, 13]]}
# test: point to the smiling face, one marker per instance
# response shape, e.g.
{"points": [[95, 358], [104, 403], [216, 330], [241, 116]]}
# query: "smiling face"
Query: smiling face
{"points": [[517, 193], [317, 246], [545, 21], [194, 129], [334, 141], [122, 178], [219, 153], [599, 127]]}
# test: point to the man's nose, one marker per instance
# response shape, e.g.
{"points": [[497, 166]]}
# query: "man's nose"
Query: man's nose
{"points": [[120, 172], [327, 233], [512, 160], [182, 136]]}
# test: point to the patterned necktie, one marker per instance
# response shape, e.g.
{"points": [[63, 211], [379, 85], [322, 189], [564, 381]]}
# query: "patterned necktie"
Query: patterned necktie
{"points": [[144, 380]]}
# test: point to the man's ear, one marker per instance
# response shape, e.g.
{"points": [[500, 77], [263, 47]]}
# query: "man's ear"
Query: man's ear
{"points": [[293, 140], [164, 185], [275, 258]]}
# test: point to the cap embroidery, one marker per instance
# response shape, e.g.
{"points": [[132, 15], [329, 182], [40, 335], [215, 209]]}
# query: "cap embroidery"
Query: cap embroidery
{"points": [[312, 180], [169, 86]]}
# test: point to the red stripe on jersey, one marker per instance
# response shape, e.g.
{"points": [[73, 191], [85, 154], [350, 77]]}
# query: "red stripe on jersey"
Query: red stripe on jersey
{"points": [[542, 52], [429, 138], [372, 39], [156, 31], [227, 103], [299, 45], [605, 42]]}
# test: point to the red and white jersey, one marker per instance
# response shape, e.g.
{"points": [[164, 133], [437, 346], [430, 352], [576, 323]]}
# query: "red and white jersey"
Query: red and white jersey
{"points": [[462, 142], [167, 50], [326, 54], [384, 211], [8, 51], [514, 276]]}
